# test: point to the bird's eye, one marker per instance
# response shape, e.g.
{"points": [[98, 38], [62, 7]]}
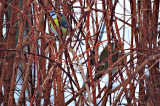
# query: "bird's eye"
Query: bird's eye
{"points": [[53, 14]]}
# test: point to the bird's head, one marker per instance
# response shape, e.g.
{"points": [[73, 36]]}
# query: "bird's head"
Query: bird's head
{"points": [[53, 14]]}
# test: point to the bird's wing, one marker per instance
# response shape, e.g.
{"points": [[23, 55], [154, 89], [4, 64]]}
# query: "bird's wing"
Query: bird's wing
{"points": [[63, 21]]}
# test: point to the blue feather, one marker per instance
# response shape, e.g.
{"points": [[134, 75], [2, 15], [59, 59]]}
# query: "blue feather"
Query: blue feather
{"points": [[63, 24]]}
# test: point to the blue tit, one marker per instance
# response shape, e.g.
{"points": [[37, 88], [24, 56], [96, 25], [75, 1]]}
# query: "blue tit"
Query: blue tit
{"points": [[55, 19], [104, 55], [63, 25]]}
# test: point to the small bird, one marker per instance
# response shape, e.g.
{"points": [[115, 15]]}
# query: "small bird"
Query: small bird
{"points": [[103, 56], [55, 19], [63, 25]]}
